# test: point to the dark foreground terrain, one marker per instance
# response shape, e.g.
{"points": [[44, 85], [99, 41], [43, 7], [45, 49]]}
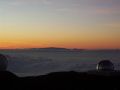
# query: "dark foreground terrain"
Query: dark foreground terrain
{"points": [[62, 81]]}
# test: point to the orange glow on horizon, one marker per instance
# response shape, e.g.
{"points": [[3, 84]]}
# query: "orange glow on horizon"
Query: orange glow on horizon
{"points": [[34, 44], [59, 36]]}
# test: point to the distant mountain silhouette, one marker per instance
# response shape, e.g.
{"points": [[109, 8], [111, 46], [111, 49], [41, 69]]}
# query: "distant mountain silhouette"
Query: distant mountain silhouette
{"points": [[58, 49], [55, 49]]}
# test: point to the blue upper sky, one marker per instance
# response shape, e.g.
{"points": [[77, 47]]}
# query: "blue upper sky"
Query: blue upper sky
{"points": [[79, 11]]}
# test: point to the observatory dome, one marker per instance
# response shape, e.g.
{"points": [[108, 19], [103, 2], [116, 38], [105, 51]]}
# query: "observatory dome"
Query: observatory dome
{"points": [[105, 65], [3, 63]]}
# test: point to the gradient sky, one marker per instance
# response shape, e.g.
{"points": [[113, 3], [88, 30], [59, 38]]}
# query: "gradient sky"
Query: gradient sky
{"points": [[91, 24]]}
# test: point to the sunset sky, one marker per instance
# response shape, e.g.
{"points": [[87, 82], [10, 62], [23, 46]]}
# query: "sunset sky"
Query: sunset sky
{"points": [[90, 24]]}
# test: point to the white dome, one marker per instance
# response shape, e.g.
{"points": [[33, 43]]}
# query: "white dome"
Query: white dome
{"points": [[105, 65], [3, 63]]}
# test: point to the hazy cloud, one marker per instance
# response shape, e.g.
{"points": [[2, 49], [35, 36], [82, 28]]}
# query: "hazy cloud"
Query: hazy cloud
{"points": [[107, 6]]}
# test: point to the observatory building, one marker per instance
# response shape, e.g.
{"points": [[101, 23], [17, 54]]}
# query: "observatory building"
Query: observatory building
{"points": [[105, 65], [3, 63]]}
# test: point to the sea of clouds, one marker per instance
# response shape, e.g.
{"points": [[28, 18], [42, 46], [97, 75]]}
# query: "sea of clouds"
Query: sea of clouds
{"points": [[24, 63]]}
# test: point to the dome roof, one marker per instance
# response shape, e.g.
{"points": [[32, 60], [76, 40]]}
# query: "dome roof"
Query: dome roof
{"points": [[3, 62], [105, 65]]}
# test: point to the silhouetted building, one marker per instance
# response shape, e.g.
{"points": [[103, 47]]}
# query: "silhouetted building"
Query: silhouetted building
{"points": [[3, 62], [105, 65]]}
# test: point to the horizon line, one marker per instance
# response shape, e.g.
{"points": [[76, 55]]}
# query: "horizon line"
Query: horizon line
{"points": [[61, 47]]}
